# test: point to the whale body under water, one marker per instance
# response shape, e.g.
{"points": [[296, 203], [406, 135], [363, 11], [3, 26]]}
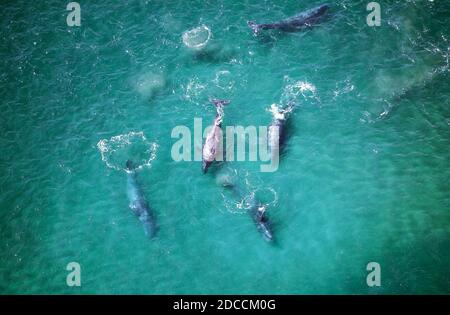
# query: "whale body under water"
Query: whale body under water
{"points": [[294, 23], [276, 134], [257, 211], [137, 202]]}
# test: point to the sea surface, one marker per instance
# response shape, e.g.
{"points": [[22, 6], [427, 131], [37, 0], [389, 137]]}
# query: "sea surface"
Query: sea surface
{"points": [[363, 177]]}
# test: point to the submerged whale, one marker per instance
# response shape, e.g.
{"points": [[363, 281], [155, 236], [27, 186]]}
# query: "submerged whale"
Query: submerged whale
{"points": [[257, 212], [276, 130], [138, 204], [214, 136], [294, 23]]}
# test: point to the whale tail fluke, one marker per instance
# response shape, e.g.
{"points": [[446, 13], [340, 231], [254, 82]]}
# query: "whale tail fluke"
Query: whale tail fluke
{"points": [[219, 103], [255, 27], [149, 229]]}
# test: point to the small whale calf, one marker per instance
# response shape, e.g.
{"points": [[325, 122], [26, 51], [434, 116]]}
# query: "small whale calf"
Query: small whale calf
{"points": [[257, 212], [294, 23], [138, 204], [214, 136]]}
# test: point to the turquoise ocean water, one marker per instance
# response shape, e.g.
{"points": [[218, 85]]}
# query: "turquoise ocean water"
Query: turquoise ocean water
{"points": [[364, 176]]}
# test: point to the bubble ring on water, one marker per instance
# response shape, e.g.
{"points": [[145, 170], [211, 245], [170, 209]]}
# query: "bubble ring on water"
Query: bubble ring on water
{"points": [[270, 190], [192, 34], [234, 207], [194, 90], [226, 85], [294, 89], [115, 143], [241, 206]]}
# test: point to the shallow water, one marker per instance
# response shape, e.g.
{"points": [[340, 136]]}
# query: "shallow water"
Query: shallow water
{"points": [[364, 175]]}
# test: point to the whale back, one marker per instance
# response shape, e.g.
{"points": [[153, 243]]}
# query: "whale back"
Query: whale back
{"points": [[137, 202], [292, 23]]}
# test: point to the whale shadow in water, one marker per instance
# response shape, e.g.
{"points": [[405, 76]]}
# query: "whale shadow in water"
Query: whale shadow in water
{"points": [[215, 167], [433, 85], [214, 54]]}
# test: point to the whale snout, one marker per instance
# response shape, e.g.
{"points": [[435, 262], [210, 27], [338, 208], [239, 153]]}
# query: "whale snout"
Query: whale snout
{"points": [[266, 232]]}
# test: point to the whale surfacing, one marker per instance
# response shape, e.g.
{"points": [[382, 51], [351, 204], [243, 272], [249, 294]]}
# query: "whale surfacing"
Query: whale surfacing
{"points": [[276, 130], [214, 136], [257, 211], [294, 23]]}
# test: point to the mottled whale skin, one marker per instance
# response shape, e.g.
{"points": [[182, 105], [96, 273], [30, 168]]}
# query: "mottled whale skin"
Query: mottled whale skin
{"points": [[137, 202], [214, 137], [258, 214], [276, 130], [294, 23]]}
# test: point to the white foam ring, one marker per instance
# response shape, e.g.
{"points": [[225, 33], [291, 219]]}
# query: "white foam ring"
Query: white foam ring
{"points": [[131, 146], [236, 207], [304, 88], [262, 196], [295, 89], [197, 38], [224, 81], [195, 90], [266, 197]]}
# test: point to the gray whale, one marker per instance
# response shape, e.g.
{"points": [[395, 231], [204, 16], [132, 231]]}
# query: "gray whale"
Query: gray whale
{"points": [[257, 212], [214, 136], [137, 202], [276, 131], [294, 23]]}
